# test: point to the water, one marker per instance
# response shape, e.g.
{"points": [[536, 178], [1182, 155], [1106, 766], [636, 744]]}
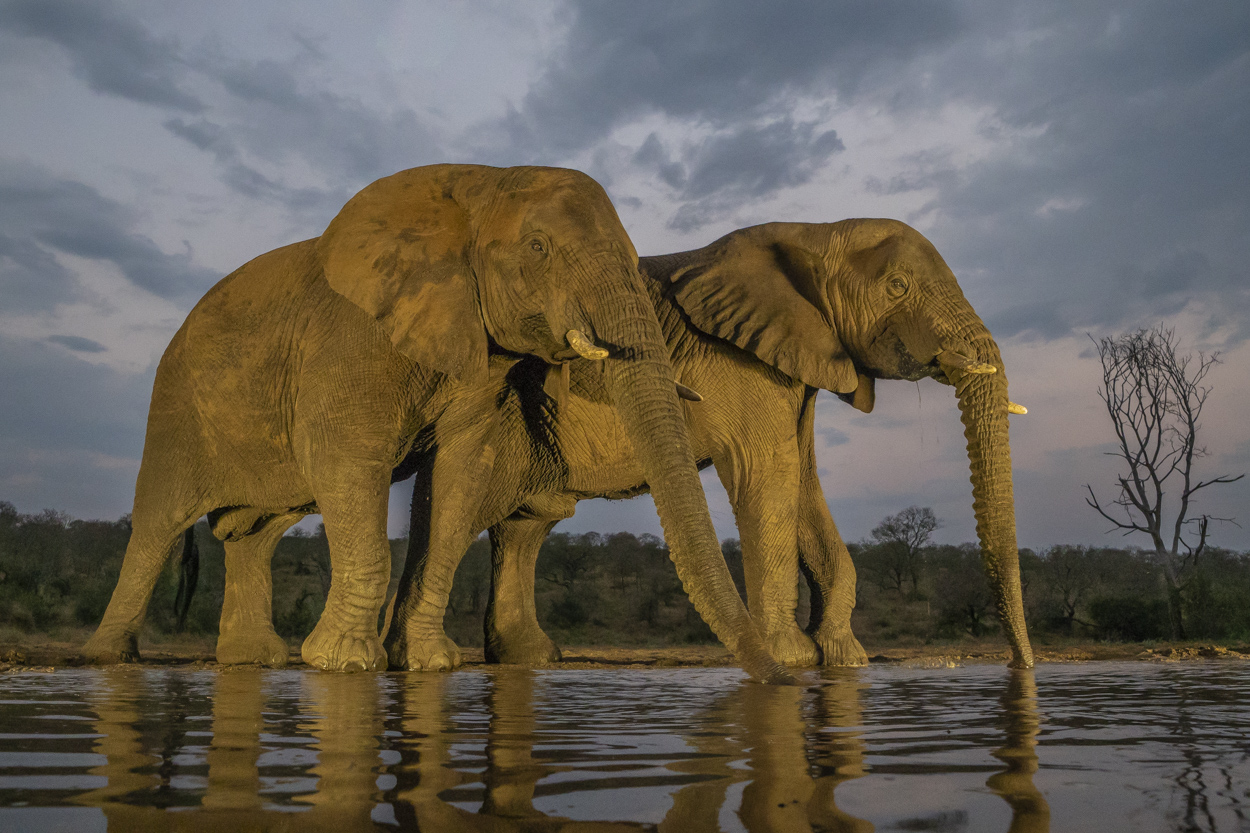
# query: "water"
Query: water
{"points": [[1097, 747]]}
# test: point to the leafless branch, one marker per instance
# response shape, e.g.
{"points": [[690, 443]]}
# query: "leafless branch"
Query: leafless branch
{"points": [[1154, 397]]}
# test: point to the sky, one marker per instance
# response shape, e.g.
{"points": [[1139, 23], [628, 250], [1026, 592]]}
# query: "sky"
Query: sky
{"points": [[1082, 166]]}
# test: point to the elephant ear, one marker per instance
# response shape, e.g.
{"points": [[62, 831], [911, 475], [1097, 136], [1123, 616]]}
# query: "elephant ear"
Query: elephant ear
{"points": [[864, 397], [399, 250], [766, 297]]}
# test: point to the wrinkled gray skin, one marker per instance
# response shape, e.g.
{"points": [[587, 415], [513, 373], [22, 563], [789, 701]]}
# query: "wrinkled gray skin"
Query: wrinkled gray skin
{"points": [[756, 322], [301, 381]]}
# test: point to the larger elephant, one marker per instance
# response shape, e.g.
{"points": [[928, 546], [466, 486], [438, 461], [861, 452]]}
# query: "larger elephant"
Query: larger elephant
{"points": [[302, 380], [757, 322]]}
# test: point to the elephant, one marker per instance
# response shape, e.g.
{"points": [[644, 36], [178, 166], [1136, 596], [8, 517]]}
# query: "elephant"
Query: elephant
{"points": [[304, 380], [758, 321]]}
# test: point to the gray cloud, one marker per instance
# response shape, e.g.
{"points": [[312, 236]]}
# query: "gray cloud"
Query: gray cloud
{"points": [[78, 344], [267, 116], [1124, 197], [271, 117], [832, 436], [719, 62], [750, 161], [90, 408], [734, 66], [111, 52], [1127, 201], [42, 215], [74, 444]]}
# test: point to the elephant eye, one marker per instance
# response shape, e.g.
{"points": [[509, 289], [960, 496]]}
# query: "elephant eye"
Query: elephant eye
{"points": [[897, 286], [538, 246]]}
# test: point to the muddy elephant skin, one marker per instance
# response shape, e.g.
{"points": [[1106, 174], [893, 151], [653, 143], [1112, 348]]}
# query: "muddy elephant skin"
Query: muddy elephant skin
{"points": [[756, 322], [301, 382]]}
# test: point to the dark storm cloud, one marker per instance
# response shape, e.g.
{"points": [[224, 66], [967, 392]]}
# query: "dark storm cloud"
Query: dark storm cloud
{"points": [[42, 215], [718, 62], [1123, 196], [734, 66], [1127, 198], [112, 53]]}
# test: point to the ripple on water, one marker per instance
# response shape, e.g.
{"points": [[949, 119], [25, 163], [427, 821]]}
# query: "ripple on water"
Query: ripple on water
{"points": [[1097, 746]]}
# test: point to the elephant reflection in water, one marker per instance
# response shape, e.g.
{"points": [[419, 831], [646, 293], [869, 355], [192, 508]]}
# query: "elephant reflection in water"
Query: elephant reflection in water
{"points": [[769, 730], [798, 746], [1029, 811], [781, 793], [135, 796]]}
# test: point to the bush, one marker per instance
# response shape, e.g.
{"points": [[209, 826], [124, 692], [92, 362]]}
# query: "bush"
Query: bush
{"points": [[1129, 618], [300, 617], [568, 612]]}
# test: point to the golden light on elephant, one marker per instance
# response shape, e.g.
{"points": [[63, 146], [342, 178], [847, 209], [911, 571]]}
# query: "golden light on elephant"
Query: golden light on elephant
{"points": [[759, 321], [303, 381]]}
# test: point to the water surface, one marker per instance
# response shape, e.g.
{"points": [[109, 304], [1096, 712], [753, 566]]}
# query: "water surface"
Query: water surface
{"points": [[1097, 746]]}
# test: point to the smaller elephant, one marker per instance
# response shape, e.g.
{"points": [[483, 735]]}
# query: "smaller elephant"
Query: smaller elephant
{"points": [[303, 380], [756, 322]]}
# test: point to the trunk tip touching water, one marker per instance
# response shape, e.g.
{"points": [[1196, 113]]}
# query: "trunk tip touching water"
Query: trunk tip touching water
{"points": [[644, 391], [983, 407]]}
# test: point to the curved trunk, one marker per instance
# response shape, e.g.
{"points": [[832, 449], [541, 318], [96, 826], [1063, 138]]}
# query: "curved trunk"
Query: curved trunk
{"points": [[983, 411], [640, 380]]}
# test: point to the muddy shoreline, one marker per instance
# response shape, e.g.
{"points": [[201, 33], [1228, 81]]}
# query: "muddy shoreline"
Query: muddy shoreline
{"points": [[198, 653]]}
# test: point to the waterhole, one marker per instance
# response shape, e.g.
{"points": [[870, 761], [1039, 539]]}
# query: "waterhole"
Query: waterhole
{"points": [[1083, 747]]}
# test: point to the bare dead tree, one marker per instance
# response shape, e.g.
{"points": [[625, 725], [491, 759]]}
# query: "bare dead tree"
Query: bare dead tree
{"points": [[1155, 397]]}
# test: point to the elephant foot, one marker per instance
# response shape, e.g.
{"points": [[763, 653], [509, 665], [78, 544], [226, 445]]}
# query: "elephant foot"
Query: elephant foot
{"points": [[332, 650], [521, 646], [840, 648], [108, 646], [791, 647], [266, 648], [433, 652]]}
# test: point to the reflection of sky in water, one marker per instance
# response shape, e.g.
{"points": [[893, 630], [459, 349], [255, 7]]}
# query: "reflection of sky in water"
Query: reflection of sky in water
{"points": [[1098, 746]]}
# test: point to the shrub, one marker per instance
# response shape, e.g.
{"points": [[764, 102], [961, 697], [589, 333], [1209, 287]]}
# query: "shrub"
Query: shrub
{"points": [[1129, 618]]}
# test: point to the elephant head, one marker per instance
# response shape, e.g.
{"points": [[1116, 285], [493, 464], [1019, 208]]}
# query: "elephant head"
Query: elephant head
{"points": [[839, 305], [456, 261]]}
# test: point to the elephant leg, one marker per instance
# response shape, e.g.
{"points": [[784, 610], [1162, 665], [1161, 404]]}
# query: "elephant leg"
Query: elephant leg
{"points": [[513, 634], [117, 637], [826, 563], [159, 524], [353, 501], [246, 633], [764, 492], [445, 501]]}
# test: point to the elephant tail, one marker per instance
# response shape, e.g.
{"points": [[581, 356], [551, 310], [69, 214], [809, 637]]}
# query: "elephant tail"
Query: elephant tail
{"points": [[188, 577]]}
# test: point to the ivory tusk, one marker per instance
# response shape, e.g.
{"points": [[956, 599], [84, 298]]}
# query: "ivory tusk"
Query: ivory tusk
{"points": [[962, 362], [686, 393], [584, 346], [1013, 408]]}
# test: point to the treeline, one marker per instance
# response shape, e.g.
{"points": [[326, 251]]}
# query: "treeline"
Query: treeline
{"points": [[57, 573], [1099, 593]]}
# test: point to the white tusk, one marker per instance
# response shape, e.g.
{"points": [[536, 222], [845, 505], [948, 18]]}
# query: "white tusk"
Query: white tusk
{"points": [[686, 393], [967, 365], [1013, 408], [584, 346]]}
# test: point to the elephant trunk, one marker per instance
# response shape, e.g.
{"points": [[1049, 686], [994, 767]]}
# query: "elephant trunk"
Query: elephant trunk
{"points": [[641, 382], [983, 402]]}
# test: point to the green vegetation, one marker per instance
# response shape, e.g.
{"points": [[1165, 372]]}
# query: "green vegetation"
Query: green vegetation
{"points": [[56, 575]]}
